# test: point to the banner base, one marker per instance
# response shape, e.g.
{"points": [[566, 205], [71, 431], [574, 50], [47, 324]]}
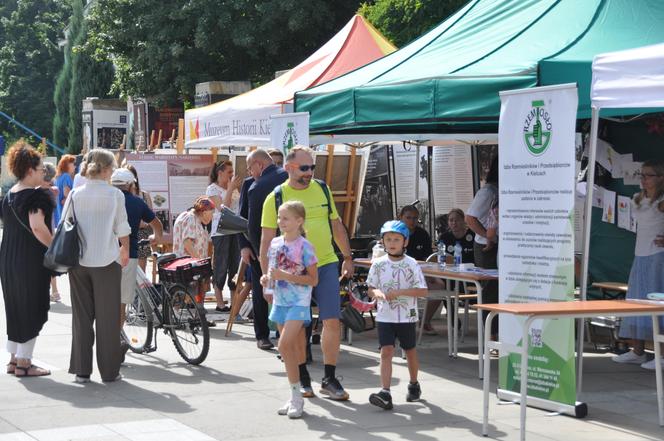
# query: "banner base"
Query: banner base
{"points": [[578, 410]]}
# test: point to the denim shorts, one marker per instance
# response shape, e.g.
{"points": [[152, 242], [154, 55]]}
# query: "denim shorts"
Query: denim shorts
{"points": [[326, 293], [282, 314]]}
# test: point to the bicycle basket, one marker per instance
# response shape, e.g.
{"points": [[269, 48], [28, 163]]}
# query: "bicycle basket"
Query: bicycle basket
{"points": [[185, 270]]}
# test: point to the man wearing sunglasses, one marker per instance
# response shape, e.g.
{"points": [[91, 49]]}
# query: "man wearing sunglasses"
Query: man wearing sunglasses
{"points": [[322, 225]]}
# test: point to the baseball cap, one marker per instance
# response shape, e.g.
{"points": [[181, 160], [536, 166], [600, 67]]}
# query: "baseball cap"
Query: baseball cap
{"points": [[122, 176]]}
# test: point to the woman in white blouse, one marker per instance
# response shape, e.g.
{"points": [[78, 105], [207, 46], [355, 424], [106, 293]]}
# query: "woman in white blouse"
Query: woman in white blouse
{"points": [[223, 190], [647, 273], [100, 212]]}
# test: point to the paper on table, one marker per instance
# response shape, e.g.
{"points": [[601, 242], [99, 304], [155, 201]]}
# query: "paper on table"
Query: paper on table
{"points": [[624, 212], [609, 206]]}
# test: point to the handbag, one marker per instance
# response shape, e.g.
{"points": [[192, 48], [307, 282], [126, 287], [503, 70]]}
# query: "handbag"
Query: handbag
{"points": [[230, 223], [353, 319], [65, 250]]}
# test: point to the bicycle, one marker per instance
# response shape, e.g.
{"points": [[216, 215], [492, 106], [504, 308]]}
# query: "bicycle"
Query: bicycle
{"points": [[171, 307]]}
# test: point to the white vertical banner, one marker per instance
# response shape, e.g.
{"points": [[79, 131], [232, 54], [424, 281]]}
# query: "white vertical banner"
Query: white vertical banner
{"points": [[452, 178], [406, 173], [289, 130], [536, 251]]}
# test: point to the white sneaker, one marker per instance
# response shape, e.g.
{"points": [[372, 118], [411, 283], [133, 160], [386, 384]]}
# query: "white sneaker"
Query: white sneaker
{"points": [[630, 357], [295, 409], [650, 365], [283, 410]]}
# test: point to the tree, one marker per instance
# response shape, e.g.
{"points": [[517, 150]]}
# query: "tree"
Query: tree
{"points": [[29, 62], [402, 21], [88, 77], [63, 86], [162, 52]]}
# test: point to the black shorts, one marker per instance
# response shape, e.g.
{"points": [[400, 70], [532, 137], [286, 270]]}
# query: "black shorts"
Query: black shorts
{"points": [[404, 332]]}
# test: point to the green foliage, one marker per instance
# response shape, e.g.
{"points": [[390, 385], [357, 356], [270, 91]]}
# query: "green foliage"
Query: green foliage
{"points": [[61, 101], [29, 62], [162, 52], [60, 133], [402, 21], [88, 77]]}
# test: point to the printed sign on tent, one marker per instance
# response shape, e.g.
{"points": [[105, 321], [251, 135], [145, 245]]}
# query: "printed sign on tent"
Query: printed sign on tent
{"points": [[289, 130], [609, 206], [624, 212], [536, 253]]}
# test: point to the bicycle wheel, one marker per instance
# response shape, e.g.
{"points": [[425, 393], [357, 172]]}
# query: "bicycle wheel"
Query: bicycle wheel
{"points": [[188, 325], [137, 329]]}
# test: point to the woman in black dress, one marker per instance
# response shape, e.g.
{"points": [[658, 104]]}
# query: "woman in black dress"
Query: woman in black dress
{"points": [[26, 213]]}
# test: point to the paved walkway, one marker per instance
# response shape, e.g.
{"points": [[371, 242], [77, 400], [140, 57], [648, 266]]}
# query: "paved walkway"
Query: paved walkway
{"points": [[234, 396]]}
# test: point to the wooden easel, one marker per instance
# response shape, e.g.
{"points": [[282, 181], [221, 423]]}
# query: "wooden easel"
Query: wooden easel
{"points": [[348, 195], [235, 304]]}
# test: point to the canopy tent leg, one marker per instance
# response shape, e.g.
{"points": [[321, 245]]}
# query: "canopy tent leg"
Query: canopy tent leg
{"points": [[590, 183]]}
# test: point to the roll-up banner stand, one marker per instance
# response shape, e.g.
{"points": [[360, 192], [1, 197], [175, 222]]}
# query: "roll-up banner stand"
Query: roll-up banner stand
{"points": [[536, 237]]}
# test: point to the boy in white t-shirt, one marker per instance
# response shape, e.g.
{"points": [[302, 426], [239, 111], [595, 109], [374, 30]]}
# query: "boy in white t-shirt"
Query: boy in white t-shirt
{"points": [[396, 280]]}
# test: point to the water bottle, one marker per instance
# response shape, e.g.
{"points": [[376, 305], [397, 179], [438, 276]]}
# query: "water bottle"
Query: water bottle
{"points": [[377, 251], [458, 250], [441, 255]]}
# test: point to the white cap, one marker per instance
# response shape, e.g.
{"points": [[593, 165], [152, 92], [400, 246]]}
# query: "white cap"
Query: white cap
{"points": [[122, 176]]}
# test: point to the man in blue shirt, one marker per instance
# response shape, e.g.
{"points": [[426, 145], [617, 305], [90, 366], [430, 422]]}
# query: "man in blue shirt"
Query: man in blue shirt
{"points": [[264, 177], [137, 212]]}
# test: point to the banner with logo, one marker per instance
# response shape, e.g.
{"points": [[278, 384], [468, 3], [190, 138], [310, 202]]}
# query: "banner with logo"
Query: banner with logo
{"points": [[536, 234], [289, 130], [222, 124]]}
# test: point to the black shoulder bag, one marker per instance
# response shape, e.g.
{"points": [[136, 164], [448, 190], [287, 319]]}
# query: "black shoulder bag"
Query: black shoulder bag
{"points": [[65, 250]]}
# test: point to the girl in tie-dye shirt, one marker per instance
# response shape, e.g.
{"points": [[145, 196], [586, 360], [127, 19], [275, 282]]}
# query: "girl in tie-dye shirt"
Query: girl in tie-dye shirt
{"points": [[292, 273]]}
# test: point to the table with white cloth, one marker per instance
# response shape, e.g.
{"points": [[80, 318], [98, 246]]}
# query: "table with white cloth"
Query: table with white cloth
{"points": [[459, 275]]}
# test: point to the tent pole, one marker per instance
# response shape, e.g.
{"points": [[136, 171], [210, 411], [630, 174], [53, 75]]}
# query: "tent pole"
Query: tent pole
{"points": [[590, 183], [417, 173]]}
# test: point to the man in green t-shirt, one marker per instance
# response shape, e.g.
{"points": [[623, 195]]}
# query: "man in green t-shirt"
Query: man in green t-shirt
{"points": [[322, 225]]}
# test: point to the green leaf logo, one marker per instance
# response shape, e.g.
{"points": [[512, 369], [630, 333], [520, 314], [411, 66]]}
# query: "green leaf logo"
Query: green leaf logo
{"points": [[537, 129]]}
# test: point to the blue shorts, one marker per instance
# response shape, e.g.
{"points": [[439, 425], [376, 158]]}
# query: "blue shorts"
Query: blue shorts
{"points": [[326, 293], [282, 314]]}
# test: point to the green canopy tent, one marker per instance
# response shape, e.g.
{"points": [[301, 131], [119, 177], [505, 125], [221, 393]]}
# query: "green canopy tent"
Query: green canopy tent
{"points": [[447, 81]]}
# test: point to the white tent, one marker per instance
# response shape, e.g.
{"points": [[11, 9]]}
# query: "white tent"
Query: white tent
{"points": [[626, 79]]}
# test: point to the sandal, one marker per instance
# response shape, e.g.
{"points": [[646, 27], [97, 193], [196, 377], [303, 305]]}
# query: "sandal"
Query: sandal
{"points": [[429, 330], [37, 372], [11, 367]]}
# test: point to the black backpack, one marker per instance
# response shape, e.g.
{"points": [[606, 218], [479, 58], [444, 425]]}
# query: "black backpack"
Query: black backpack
{"points": [[279, 199]]}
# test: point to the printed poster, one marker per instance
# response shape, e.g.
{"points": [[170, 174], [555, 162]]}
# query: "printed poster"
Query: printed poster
{"points": [[452, 178], [173, 181], [624, 212], [536, 253], [609, 206]]}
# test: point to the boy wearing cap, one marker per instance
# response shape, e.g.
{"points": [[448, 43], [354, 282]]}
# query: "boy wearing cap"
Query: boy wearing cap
{"points": [[395, 281], [137, 211]]}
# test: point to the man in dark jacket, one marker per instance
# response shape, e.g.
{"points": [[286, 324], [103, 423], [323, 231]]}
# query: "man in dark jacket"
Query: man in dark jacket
{"points": [[264, 177]]}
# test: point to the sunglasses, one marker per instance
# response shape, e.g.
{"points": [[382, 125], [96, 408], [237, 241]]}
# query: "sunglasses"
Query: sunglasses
{"points": [[305, 168]]}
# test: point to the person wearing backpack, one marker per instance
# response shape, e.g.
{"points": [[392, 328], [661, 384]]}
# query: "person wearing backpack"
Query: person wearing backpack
{"points": [[322, 226]]}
